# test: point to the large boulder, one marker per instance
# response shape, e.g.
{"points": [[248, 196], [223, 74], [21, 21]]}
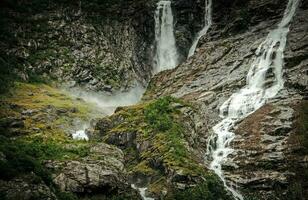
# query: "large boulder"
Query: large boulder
{"points": [[100, 173]]}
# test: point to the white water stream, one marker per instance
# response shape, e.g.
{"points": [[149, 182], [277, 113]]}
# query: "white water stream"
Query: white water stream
{"points": [[207, 25], [142, 192], [247, 100], [166, 52]]}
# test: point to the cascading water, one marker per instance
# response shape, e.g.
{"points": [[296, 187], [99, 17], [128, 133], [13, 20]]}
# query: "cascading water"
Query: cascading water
{"points": [[207, 25], [166, 52], [142, 192], [264, 81]]}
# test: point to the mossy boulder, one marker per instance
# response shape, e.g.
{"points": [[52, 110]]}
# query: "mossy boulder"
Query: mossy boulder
{"points": [[158, 153]]}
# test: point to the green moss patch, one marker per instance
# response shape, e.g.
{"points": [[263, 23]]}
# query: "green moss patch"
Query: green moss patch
{"points": [[35, 120], [47, 110]]}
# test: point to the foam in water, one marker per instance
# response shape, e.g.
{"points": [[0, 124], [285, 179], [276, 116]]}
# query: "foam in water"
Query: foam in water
{"points": [[264, 81], [166, 52], [80, 135], [207, 25]]}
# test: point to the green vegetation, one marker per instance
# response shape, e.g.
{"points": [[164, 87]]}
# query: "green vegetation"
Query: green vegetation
{"points": [[27, 155], [165, 125], [160, 124], [45, 102], [159, 114]]}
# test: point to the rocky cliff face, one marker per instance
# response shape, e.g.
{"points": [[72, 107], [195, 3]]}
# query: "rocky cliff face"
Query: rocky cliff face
{"points": [[101, 46], [162, 142], [267, 142]]}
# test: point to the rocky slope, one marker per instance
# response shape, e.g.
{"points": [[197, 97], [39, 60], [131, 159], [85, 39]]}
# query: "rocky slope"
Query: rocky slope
{"points": [[39, 158], [87, 44], [162, 149]]}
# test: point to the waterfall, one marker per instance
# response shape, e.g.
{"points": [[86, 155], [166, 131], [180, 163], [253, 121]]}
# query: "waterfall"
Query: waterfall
{"points": [[207, 25], [166, 53], [264, 81]]}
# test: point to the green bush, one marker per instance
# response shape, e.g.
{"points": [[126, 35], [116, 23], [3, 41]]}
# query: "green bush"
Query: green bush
{"points": [[19, 159], [27, 156], [159, 114]]}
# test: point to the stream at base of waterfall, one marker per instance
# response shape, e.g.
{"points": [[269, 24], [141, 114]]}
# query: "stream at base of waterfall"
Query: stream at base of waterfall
{"points": [[269, 59]]}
